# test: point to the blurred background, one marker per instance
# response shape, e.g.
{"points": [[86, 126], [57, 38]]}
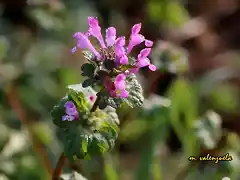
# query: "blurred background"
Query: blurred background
{"points": [[192, 101]]}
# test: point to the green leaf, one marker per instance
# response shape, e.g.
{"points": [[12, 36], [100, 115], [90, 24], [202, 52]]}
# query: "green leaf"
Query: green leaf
{"points": [[135, 97], [109, 64], [85, 142], [88, 82], [88, 69]]}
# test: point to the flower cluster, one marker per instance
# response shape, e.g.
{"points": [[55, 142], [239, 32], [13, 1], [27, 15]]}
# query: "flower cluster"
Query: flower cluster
{"points": [[71, 112], [113, 48]]}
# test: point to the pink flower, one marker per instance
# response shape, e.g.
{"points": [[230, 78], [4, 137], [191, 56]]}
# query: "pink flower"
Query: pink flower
{"points": [[115, 46], [118, 87], [110, 36], [144, 53], [148, 43], [84, 43], [71, 111], [124, 60], [95, 30], [152, 67], [136, 28], [135, 40]]}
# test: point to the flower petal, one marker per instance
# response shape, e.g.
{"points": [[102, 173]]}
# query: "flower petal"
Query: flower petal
{"points": [[68, 118], [93, 21], [124, 94], [145, 52], [95, 30], [142, 62], [120, 85], [148, 43], [110, 36], [119, 47], [136, 28], [120, 77], [134, 70], [152, 67], [69, 104], [84, 43], [124, 60], [120, 41], [135, 40], [74, 49]]}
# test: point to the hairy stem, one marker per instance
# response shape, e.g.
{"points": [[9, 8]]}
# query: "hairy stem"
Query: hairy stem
{"points": [[60, 164]]}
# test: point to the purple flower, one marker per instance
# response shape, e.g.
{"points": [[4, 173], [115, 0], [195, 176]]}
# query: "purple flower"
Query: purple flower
{"points": [[84, 43], [118, 87], [71, 111], [148, 43], [112, 42], [110, 36], [135, 40], [68, 118], [95, 30], [115, 48]]}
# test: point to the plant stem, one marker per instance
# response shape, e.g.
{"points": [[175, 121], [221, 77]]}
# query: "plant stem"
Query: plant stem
{"points": [[60, 164], [95, 105], [62, 158]]}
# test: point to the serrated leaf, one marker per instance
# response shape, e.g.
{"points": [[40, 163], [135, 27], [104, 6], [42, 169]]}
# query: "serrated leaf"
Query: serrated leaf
{"points": [[88, 69], [85, 142], [79, 99], [88, 82], [88, 91], [135, 97]]}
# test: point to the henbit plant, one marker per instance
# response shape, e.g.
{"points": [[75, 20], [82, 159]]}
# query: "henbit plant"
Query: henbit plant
{"points": [[87, 119]]}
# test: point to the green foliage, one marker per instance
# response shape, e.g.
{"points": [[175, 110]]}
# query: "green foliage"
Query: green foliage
{"points": [[88, 69], [93, 134]]}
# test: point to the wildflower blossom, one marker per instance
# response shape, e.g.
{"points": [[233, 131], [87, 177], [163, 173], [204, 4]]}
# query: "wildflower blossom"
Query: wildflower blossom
{"points": [[71, 112], [116, 49]]}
